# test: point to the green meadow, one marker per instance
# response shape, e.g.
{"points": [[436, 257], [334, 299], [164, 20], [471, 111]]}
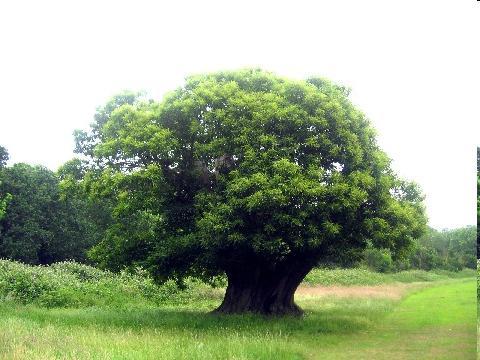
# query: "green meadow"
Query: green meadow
{"points": [[434, 318]]}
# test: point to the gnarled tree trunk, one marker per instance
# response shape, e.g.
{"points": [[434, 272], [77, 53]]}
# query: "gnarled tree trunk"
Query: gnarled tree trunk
{"points": [[262, 290]]}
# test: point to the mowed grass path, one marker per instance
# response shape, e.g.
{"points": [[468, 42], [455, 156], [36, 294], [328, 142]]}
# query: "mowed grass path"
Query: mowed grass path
{"points": [[437, 322]]}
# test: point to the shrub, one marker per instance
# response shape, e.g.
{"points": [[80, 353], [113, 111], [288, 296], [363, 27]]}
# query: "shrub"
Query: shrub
{"points": [[379, 260], [70, 284]]}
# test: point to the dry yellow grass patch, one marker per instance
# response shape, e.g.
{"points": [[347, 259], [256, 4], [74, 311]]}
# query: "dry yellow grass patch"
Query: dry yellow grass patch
{"points": [[391, 291]]}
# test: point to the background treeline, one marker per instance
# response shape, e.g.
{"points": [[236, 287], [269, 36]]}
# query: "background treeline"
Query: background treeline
{"points": [[47, 217], [448, 249]]}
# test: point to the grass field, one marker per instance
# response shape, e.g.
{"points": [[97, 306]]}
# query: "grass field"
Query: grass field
{"points": [[435, 320]]}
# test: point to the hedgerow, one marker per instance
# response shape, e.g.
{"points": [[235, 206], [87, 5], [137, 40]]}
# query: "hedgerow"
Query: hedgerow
{"points": [[71, 284]]}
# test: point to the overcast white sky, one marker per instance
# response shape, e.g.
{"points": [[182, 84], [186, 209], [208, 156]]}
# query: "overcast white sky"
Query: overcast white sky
{"points": [[414, 67]]}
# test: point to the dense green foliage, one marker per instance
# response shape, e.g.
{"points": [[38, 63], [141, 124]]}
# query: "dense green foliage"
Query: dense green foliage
{"points": [[4, 198], [92, 213], [3, 157], [379, 260], [447, 249], [238, 168], [39, 224]]}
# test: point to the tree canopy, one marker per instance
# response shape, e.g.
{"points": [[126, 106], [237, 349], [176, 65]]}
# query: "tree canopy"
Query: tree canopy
{"points": [[247, 174]]}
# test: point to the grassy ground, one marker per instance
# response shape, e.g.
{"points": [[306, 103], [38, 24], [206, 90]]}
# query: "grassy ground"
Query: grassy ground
{"points": [[435, 322]]}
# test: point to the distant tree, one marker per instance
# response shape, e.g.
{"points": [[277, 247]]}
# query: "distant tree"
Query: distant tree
{"points": [[462, 247], [426, 253], [27, 230], [478, 160], [4, 200], [89, 216], [3, 157], [447, 249], [379, 260], [39, 227], [74, 169], [248, 174], [4, 197]]}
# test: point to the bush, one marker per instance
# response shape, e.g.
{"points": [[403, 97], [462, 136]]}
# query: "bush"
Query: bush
{"points": [[379, 260], [70, 284]]}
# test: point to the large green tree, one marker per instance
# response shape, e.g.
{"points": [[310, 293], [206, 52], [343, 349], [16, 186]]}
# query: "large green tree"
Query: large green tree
{"points": [[250, 175]]}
